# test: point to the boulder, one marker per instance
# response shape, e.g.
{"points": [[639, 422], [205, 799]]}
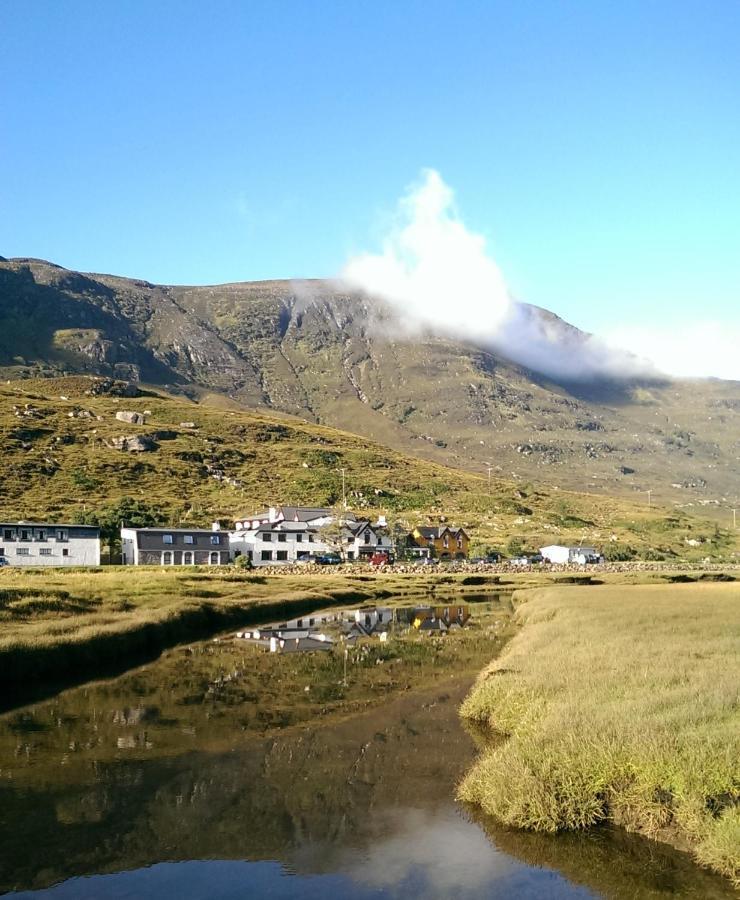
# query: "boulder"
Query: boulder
{"points": [[133, 418], [134, 443]]}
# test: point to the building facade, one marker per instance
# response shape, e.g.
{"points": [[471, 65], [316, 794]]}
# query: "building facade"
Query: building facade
{"points": [[287, 534], [439, 542], [49, 544], [175, 547]]}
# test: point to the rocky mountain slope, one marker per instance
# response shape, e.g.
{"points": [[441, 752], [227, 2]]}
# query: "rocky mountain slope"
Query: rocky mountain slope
{"points": [[313, 350]]}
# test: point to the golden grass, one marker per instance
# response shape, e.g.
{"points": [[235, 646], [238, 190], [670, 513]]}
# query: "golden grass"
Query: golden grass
{"points": [[621, 704]]}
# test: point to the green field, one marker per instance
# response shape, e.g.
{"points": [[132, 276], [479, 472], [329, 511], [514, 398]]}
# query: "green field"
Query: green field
{"points": [[618, 704]]}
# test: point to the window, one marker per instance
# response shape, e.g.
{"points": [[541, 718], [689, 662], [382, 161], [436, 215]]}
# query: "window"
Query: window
{"points": [[65, 551], [187, 557], [2, 551], [61, 534], [167, 539], [310, 539], [22, 551], [25, 535], [282, 555], [266, 536], [8, 534], [266, 555], [189, 539], [367, 537], [282, 538], [299, 538], [41, 535], [214, 558], [215, 538], [167, 557], [45, 551]]}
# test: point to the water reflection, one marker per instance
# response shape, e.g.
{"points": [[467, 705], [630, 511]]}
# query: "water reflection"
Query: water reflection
{"points": [[195, 804]]}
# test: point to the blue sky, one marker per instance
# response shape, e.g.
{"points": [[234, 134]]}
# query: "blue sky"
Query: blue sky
{"points": [[595, 145]]}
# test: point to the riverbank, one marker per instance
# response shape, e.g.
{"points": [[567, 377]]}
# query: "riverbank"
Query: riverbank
{"points": [[620, 705], [74, 624]]}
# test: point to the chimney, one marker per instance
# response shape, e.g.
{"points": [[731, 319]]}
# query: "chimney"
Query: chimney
{"points": [[215, 526]]}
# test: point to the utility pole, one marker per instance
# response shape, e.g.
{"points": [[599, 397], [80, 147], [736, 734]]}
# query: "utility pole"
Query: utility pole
{"points": [[344, 490], [734, 518], [650, 497], [490, 469]]}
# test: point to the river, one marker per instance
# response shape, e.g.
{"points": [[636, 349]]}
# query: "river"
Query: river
{"points": [[182, 779]]}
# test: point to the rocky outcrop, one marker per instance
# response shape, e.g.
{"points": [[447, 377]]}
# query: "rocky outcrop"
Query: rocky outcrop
{"points": [[134, 443], [133, 418]]}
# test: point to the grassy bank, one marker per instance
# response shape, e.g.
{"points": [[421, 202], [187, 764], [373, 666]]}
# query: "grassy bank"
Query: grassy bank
{"points": [[620, 704], [70, 625]]}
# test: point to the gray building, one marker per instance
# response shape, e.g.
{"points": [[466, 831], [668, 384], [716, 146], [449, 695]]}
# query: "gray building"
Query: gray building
{"points": [[49, 544], [175, 547]]}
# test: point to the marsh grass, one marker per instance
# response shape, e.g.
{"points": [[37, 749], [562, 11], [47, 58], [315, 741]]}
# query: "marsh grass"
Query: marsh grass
{"points": [[621, 704]]}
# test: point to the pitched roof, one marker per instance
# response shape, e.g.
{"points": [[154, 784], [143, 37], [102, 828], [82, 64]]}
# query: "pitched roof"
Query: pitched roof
{"points": [[437, 531]]}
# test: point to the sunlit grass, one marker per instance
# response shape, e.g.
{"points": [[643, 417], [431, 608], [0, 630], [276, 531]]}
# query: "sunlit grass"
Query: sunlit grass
{"points": [[621, 704]]}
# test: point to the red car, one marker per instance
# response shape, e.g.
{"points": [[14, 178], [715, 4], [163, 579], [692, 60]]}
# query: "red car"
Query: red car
{"points": [[380, 559]]}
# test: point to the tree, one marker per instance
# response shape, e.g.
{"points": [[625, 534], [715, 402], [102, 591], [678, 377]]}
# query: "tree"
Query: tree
{"points": [[125, 512], [515, 547], [332, 534]]}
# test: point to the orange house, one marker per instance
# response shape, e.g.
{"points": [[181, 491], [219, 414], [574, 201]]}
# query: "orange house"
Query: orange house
{"points": [[442, 542]]}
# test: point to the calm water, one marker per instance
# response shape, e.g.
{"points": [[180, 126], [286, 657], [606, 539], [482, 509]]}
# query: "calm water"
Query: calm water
{"points": [[156, 785]]}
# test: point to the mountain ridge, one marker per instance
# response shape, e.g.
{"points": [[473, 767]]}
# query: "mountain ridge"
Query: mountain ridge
{"points": [[312, 348]]}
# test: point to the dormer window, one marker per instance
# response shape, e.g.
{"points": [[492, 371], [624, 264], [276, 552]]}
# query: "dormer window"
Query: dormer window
{"points": [[168, 539]]}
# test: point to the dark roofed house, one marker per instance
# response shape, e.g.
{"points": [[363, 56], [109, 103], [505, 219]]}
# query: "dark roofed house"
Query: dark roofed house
{"points": [[440, 541], [175, 546]]}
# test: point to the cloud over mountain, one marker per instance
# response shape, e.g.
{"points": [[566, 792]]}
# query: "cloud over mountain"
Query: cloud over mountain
{"points": [[438, 275]]}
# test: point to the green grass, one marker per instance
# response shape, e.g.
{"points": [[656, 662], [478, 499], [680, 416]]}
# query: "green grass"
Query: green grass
{"points": [[619, 704]]}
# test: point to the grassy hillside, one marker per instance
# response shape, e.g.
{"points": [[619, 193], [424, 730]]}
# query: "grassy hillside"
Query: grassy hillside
{"points": [[312, 349], [59, 462], [619, 705]]}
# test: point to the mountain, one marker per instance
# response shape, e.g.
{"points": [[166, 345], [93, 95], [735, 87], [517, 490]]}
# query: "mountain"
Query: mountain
{"points": [[313, 350]]}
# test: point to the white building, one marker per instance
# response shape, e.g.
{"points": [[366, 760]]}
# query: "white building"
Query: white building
{"points": [[559, 555], [266, 543], [363, 540], [285, 534], [48, 544]]}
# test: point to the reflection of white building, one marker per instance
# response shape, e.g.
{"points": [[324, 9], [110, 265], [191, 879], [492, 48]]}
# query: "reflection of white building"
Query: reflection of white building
{"points": [[372, 617], [559, 555]]}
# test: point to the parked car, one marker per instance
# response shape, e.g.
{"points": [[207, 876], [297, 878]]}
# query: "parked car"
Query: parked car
{"points": [[3, 562], [426, 561], [521, 561], [328, 559], [380, 559]]}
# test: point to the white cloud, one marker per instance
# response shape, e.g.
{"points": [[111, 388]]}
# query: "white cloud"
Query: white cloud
{"points": [[438, 275], [690, 349]]}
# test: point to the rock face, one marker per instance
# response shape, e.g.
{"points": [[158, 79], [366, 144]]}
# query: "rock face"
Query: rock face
{"points": [[133, 418], [134, 443]]}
